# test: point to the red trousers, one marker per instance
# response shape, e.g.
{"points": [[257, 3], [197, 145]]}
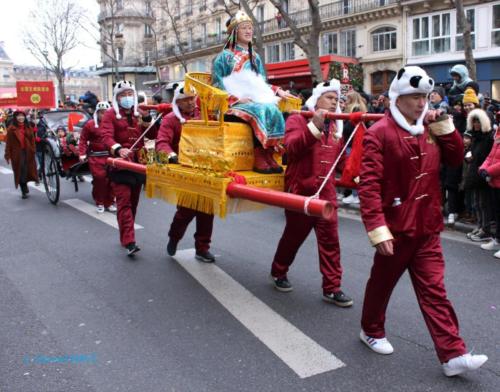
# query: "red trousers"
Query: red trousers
{"points": [[101, 185], [204, 226], [297, 228], [127, 199], [423, 257]]}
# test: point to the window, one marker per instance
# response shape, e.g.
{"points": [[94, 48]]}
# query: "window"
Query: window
{"points": [[204, 33], [288, 50], [459, 40], [259, 14], [348, 43], [346, 4], [384, 38], [218, 28], [189, 7], [119, 54], [495, 27], [329, 44], [119, 5], [149, 9], [273, 53], [431, 34], [148, 31], [147, 57], [119, 28]]}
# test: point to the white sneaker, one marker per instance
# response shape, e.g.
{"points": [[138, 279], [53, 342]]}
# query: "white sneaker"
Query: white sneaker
{"points": [[380, 346], [497, 254], [111, 208], [492, 245], [350, 200], [451, 219], [463, 363], [100, 209]]}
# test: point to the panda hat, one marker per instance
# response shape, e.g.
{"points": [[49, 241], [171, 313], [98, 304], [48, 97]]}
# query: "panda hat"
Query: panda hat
{"points": [[180, 93], [410, 80], [120, 87], [100, 106], [325, 87]]}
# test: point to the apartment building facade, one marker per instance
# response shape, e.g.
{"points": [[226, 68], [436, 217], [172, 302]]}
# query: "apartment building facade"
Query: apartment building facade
{"points": [[435, 42], [128, 43]]}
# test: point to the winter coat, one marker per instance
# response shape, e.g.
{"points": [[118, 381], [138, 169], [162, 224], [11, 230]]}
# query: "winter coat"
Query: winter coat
{"points": [[482, 141], [458, 88], [440, 106], [310, 157], [13, 151], [492, 163], [399, 182]]}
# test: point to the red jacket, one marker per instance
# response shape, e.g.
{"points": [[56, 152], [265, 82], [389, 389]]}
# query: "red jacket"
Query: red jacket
{"points": [[310, 159], [492, 162], [169, 134], [91, 139], [123, 132], [399, 183]]}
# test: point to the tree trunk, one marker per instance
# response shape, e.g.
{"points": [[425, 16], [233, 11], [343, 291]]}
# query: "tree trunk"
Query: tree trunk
{"points": [[464, 26], [60, 87]]}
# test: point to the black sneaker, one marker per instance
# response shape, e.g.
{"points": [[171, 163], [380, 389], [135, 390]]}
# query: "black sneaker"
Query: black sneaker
{"points": [[205, 257], [338, 298], [132, 248], [281, 284], [171, 248]]}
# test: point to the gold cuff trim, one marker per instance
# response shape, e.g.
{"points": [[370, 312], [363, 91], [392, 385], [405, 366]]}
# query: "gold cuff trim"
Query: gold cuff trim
{"points": [[380, 234], [441, 128], [314, 130], [114, 147]]}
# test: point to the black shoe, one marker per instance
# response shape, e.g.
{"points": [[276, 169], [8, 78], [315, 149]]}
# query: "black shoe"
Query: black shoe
{"points": [[132, 248], [205, 257], [338, 298], [24, 195], [281, 284], [171, 248]]}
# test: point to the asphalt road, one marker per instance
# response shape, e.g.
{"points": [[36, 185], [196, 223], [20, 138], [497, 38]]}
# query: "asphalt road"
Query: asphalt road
{"points": [[67, 289]]}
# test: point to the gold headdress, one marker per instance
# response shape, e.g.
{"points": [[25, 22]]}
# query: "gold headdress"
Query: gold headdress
{"points": [[240, 17]]}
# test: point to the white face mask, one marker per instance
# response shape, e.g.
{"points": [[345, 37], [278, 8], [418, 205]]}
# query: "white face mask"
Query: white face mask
{"points": [[127, 102]]}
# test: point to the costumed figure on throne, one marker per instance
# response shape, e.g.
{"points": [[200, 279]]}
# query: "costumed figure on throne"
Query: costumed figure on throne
{"points": [[241, 73]]}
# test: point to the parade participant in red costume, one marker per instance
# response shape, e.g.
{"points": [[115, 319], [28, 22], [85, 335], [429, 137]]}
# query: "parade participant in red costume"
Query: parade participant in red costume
{"points": [[312, 149], [184, 108], [90, 146], [401, 209], [120, 130]]}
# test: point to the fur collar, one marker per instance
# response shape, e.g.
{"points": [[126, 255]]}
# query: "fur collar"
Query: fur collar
{"points": [[483, 119]]}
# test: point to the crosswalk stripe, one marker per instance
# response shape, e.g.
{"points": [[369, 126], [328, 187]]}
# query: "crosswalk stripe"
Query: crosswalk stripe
{"points": [[89, 209], [297, 350], [5, 170]]}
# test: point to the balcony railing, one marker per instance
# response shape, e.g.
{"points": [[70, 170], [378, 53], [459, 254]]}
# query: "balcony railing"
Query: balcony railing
{"points": [[327, 11], [205, 42]]}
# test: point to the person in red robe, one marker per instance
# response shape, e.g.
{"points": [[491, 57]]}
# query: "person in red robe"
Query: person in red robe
{"points": [[92, 148], [184, 108], [312, 148], [120, 130], [401, 208]]}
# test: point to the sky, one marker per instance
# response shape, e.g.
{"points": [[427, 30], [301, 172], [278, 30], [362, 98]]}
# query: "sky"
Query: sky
{"points": [[13, 24]]}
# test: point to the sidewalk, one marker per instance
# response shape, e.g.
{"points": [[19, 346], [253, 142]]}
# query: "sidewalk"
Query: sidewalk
{"points": [[457, 227]]}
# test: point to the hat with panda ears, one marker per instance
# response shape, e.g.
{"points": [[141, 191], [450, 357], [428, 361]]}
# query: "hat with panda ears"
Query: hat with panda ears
{"points": [[120, 87], [100, 106], [322, 88], [410, 80], [180, 93]]}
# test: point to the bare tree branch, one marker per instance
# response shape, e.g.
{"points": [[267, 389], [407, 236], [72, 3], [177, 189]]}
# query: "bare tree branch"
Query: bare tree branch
{"points": [[465, 27]]}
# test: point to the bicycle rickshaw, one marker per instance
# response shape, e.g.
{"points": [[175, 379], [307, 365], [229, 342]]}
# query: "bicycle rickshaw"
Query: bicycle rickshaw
{"points": [[59, 159]]}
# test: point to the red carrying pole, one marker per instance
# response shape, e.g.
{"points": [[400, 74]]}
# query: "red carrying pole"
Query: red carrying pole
{"points": [[354, 117], [315, 207]]}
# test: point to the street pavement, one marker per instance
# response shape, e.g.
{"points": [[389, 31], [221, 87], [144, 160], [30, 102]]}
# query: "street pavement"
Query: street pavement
{"points": [[77, 315]]}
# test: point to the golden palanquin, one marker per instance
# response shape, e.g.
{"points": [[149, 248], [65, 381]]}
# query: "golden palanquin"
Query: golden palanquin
{"points": [[210, 148]]}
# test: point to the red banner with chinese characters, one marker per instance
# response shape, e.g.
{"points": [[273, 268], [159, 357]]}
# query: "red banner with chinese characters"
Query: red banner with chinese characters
{"points": [[36, 94]]}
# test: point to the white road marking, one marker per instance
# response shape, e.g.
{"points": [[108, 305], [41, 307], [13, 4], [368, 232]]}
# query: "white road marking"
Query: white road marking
{"points": [[5, 170], [302, 354], [38, 187], [89, 209]]}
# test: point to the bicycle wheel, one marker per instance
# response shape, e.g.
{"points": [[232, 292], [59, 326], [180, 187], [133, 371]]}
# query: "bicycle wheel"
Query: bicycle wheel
{"points": [[50, 174]]}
